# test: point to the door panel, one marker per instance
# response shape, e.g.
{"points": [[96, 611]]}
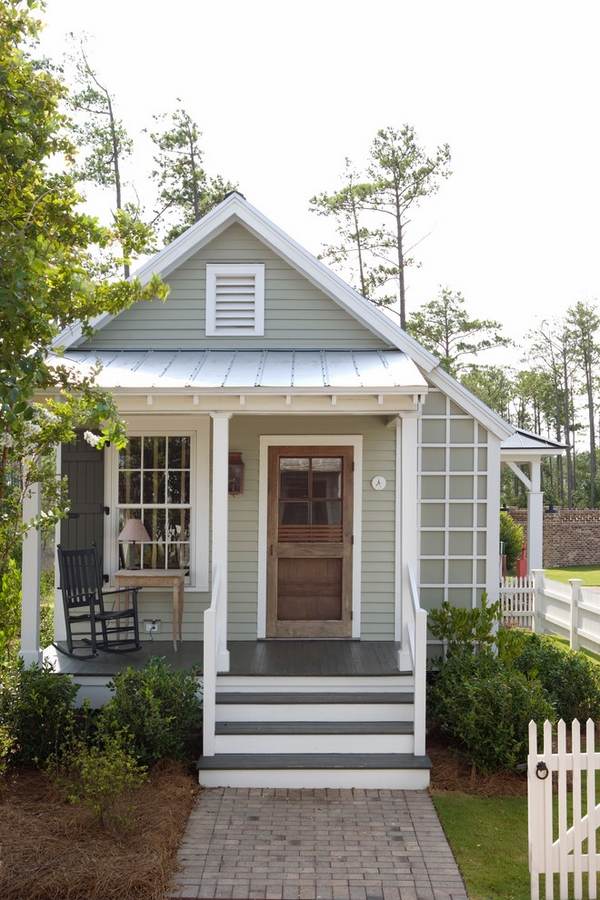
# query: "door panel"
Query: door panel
{"points": [[309, 590]]}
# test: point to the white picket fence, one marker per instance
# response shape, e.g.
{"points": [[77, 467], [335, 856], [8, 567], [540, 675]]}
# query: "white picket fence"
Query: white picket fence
{"points": [[516, 599], [568, 610], [563, 823]]}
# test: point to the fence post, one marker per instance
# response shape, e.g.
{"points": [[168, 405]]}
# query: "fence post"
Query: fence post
{"points": [[574, 618], [537, 618]]}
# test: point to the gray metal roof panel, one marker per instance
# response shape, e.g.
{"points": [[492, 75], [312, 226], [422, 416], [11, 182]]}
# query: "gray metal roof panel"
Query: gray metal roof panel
{"points": [[250, 369]]}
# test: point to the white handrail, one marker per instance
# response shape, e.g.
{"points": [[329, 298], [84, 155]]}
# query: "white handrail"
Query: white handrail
{"points": [[417, 642], [209, 668]]}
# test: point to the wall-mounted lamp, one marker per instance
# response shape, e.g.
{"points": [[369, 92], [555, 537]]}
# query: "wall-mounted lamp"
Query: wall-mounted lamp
{"points": [[236, 473]]}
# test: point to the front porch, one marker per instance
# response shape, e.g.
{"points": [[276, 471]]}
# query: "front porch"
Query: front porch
{"points": [[312, 659]]}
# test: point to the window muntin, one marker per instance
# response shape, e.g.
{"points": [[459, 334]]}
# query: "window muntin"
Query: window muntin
{"points": [[154, 475]]}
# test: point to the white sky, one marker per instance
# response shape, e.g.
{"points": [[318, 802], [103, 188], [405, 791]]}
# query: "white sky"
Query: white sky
{"points": [[284, 91]]}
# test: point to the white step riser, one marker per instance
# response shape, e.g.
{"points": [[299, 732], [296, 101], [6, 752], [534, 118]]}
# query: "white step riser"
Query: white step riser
{"points": [[317, 685], [315, 712], [314, 743], [380, 779]]}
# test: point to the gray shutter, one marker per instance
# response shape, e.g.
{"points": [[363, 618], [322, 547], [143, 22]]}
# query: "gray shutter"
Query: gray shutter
{"points": [[84, 467]]}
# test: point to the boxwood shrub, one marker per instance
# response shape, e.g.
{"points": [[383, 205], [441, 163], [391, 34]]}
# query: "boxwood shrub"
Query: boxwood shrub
{"points": [[158, 708], [484, 706]]}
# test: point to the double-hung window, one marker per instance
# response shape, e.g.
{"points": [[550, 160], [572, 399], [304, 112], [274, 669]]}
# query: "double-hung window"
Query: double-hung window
{"points": [[162, 479]]}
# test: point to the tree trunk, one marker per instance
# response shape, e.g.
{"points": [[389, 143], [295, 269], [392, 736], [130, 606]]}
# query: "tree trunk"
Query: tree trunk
{"points": [[361, 268], [589, 386], [401, 284]]}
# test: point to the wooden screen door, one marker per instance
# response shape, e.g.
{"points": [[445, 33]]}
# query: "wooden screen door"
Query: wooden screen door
{"points": [[309, 570]]}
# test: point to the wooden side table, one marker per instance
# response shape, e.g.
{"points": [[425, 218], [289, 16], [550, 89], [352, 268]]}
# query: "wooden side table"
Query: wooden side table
{"points": [[144, 578]]}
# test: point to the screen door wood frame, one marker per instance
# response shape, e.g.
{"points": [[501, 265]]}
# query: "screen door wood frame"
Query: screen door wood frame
{"points": [[310, 543]]}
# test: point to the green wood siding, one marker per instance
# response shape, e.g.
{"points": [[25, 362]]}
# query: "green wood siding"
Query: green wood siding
{"points": [[379, 454], [297, 314]]}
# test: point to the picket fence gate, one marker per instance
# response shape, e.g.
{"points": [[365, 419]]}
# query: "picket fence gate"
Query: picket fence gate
{"points": [[562, 822], [517, 600]]}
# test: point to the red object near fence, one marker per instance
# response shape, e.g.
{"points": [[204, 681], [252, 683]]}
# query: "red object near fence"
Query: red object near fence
{"points": [[521, 566]]}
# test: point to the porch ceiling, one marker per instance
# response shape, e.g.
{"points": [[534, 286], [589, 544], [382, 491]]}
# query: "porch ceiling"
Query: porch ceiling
{"points": [[263, 371]]}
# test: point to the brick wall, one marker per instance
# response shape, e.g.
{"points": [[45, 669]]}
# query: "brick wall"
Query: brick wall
{"points": [[571, 536]]}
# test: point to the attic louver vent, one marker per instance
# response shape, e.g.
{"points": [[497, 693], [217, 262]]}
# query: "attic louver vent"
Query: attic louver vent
{"points": [[235, 299]]}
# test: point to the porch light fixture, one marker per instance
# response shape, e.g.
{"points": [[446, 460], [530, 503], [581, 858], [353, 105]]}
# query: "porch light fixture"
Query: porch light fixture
{"points": [[236, 473]]}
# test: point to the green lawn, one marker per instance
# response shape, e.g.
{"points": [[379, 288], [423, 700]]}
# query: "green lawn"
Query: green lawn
{"points": [[488, 836], [590, 575]]}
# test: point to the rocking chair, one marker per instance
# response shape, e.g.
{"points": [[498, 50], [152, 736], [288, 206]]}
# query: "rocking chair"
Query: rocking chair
{"points": [[113, 631]]}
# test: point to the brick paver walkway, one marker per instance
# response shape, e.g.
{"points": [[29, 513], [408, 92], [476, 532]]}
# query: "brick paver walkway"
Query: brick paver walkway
{"points": [[308, 844]]}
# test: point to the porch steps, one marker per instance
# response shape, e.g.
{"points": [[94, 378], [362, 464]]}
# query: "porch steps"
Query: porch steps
{"points": [[315, 770], [300, 732], [314, 737]]}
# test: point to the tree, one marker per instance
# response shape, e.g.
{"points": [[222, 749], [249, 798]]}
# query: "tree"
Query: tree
{"points": [[372, 212], [551, 348], [402, 174], [445, 328], [582, 322], [185, 191], [492, 384], [50, 277], [345, 206], [101, 133]]}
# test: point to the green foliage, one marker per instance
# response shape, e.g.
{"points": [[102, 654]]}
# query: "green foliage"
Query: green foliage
{"points": [[47, 608], [158, 708], [103, 777], [7, 747], [445, 327], [571, 680], [37, 709], [185, 191], [372, 212], [50, 251], [484, 707], [10, 610], [463, 629], [511, 535]]}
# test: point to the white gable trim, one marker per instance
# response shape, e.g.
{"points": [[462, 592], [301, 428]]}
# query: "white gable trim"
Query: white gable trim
{"points": [[236, 208]]}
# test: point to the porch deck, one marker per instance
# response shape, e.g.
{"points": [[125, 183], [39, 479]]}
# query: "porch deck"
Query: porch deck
{"points": [[249, 658]]}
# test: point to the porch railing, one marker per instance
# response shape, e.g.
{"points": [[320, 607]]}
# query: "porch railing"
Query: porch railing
{"points": [[416, 625], [209, 667]]}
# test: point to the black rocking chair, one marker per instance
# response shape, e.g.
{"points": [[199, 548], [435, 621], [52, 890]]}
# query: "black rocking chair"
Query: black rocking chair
{"points": [[113, 631]]}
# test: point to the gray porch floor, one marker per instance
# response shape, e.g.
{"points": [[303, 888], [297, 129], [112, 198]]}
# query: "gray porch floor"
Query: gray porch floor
{"points": [[285, 658]]}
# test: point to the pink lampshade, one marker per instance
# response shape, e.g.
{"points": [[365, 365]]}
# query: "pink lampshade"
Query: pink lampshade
{"points": [[135, 532]]}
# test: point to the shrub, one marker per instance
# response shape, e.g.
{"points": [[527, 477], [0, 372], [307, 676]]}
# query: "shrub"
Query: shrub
{"points": [[37, 709], [464, 629], [103, 777], [7, 746], [158, 708], [571, 680], [512, 536], [484, 707], [10, 610]]}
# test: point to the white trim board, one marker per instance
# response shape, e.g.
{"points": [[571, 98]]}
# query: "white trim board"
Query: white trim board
{"points": [[328, 440]]}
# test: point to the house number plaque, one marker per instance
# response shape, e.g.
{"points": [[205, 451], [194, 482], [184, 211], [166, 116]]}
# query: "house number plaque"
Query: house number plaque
{"points": [[378, 482]]}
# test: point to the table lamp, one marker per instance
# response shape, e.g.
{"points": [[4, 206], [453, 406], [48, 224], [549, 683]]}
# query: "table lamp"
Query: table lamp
{"points": [[134, 532]]}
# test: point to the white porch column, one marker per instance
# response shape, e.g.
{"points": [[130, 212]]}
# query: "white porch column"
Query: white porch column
{"points": [[220, 523], [407, 540], [535, 519], [31, 567]]}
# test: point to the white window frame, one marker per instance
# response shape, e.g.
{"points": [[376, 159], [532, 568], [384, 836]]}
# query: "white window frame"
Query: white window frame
{"points": [[316, 440], [257, 271], [169, 426]]}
